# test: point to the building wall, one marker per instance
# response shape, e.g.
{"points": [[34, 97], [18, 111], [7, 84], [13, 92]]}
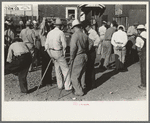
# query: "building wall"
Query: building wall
{"points": [[53, 10], [130, 15]]}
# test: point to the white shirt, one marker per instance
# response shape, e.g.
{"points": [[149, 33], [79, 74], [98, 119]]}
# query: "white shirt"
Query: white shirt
{"points": [[119, 38], [55, 39], [16, 49], [102, 30], [139, 41], [94, 36]]}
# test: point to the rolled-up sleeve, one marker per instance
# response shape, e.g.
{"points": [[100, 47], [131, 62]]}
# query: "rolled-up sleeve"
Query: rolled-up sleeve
{"points": [[46, 43], [63, 40], [125, 40], [10, 51], [113, 40], [73, 47]]}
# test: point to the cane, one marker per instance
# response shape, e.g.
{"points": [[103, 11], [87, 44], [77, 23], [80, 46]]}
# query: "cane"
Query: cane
{"points": [[44, 75]]}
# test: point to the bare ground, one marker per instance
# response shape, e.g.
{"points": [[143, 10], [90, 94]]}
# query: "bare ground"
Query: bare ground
{"points": [[110, 86]]}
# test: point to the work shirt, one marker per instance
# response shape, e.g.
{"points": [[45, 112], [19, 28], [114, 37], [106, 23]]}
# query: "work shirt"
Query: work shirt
{"points": [[92, 34], [55, 40], [102, 30], [16, 49], [79, 44], [119, 38], [109, 33], [139, 41], [28, 35], [131, 31]]}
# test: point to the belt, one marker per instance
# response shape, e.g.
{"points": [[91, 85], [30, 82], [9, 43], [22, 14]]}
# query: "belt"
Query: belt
{"points": [[22, 54], [54, 49]]}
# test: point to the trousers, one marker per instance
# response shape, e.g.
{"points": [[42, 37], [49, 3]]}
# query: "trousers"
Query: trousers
{"points": [[61, 70], [143, 67], [45, 60], [107, 49], [78, 73], [120, 57], [90, 72], [21, 66]]}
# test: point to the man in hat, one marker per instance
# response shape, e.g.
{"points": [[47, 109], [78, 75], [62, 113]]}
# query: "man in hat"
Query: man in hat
{"points": [[132, 55], [141, 47], [92, 34], [45, 57], [8, 36], [78, 58], [56, 45], [107, 47], [37, 43], [28, 37], [119, 40], [102, 31], [19, 59]]}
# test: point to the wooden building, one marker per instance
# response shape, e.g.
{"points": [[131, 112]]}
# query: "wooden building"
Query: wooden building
{"points": [[123, 14]]}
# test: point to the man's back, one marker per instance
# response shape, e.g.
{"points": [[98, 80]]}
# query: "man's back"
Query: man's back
{"points": [[79, 43], [27, 35], [109, 33], [55, 39]]}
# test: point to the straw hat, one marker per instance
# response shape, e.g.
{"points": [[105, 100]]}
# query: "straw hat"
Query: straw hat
{"points": [[58, 21], [141, 27], [75, 23]]}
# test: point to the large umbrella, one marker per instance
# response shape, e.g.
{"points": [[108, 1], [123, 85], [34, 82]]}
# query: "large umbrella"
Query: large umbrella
{"points": [[97, 9]]}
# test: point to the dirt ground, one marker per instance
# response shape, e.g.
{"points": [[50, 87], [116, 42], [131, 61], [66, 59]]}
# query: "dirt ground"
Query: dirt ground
{"points": [[110, 86]]}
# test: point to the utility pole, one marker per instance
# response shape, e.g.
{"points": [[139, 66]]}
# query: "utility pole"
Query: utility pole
{"points": [[32, 11]]}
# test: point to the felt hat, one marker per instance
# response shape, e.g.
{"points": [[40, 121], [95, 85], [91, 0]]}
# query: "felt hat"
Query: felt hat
{"points": [[75, 23], [58, 21]]}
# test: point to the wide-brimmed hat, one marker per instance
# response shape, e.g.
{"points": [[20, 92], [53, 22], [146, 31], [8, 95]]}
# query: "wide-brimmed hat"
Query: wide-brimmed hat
{"points": [[122, 27], [140, 27], [58, 21], [75, 23]]}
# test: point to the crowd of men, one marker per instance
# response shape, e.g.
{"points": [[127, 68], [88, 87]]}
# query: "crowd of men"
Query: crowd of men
{"points": [[48, 42]]}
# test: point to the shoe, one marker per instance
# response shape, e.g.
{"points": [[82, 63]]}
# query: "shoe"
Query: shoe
{"points": [[123, 70], [77, 94], [61, 88], [69, 90], [142, 87]]}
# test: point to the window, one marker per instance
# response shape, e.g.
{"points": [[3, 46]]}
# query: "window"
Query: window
{"points": [[71, 11]]}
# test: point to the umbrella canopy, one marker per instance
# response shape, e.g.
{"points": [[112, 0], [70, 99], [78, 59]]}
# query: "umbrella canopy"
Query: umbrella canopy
{"points": [[98, 9]]}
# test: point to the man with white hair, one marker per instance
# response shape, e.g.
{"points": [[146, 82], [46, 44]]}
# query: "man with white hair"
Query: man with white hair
{"points": [[55, 45], [141, 47], [119, 40], [132, 55], [28, 37]]}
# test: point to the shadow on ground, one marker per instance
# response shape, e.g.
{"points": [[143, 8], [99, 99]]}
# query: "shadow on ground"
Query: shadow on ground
{"points": [[106, 76]]}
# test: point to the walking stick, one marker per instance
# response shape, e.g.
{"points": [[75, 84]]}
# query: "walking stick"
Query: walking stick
{"points": [[44, 75]]}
